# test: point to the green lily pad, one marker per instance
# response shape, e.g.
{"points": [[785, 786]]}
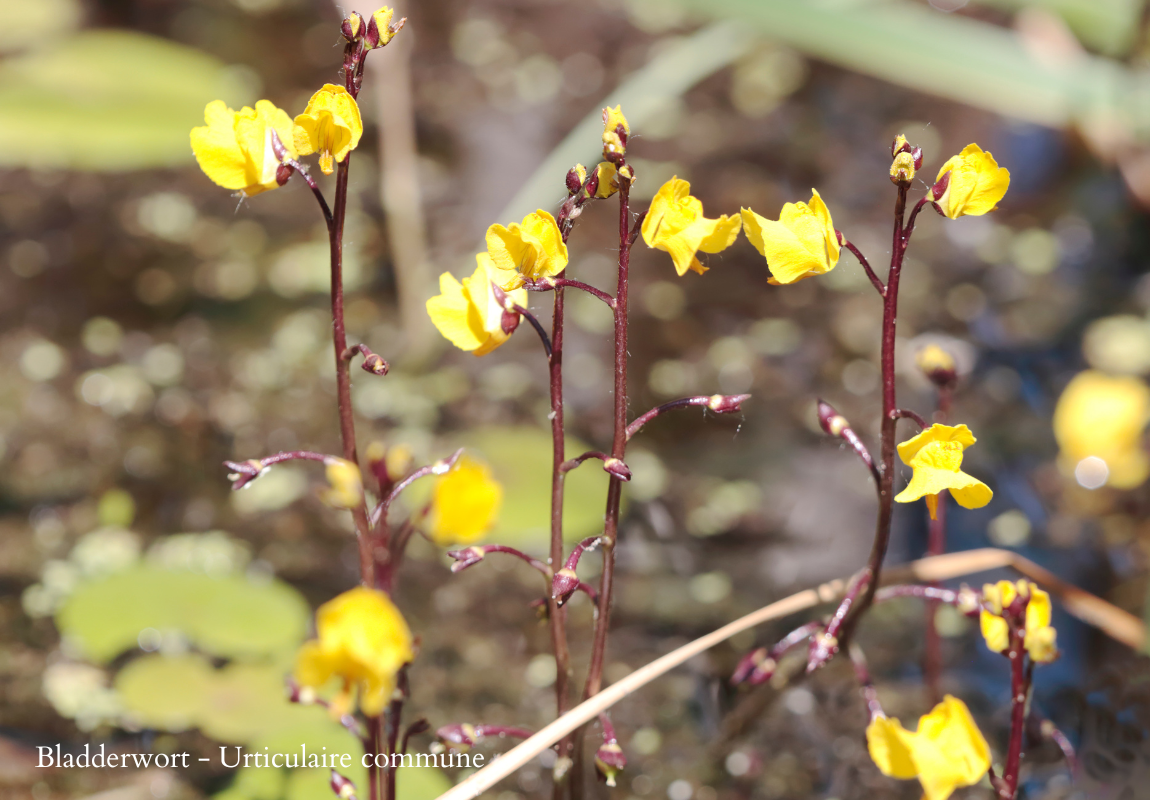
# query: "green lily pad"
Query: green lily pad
{"points": [[149, 697], [228, 616], [107, 100]]}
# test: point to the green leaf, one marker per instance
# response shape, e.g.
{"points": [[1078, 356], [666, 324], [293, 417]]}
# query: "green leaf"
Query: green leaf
{"points": [[228, 616], [146, 684], [107, 100], [1110, 26]]}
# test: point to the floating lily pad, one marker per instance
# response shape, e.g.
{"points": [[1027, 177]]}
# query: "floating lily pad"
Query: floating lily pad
{"points": [[165, 692], [227, 616]]}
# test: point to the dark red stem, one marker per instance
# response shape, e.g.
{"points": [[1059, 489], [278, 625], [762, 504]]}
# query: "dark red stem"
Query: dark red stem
{"points": [[555, 284], [874, 279]]}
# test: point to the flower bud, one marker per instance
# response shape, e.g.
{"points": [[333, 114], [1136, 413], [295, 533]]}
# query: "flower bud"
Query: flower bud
{"points": [[343, 788], [613, 148], [283, 174], [899, 145], [902, 169], [625, 174], [937, 365], [750, 664], [916, 154], [604, 183], [563, 585], [352, 27], [345, 485], [727, 403], [610, 761], [244, 472], [614, 466], [830, 420], [375, 364], [468, 557], [380, 29], [460, 736], [576, 176]]}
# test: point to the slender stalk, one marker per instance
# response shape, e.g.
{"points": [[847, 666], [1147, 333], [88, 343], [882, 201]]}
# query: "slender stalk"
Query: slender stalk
{"points": [[865, 265], [720, 404], [547, 347], [861, 593], [1019, 690], [557, 284], [342, 367], [556, 612]]}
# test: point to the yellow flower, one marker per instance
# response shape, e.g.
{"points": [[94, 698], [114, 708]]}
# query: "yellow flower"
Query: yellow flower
{"points": [[936, 456], [330, 125], [800, 244], [464, 504], [364, 641], [345, 484], [235, 148], [468, 314], [945, 753], [527, 251], [1040, 637], [933, 358], [675, 224], [1102, 417], [614, 142], [976, 183], [607, 186]]}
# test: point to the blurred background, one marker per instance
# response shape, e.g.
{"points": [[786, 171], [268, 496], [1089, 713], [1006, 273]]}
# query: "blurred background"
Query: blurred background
{"points": [[152, 326]]}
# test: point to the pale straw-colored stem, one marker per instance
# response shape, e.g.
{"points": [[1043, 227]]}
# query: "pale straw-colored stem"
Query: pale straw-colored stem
{"points": [[1118, 624]]}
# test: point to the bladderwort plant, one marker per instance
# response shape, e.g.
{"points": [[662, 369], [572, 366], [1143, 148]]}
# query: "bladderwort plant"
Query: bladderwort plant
{"points": [[365, 647]]}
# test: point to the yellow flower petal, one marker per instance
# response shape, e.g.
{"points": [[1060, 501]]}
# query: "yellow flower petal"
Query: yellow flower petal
{"points": [[531, 250], [945, 753], [464, 504], [800, 244], [468, 314], [995, 631], [361, 638], [675, 224], [235, 149], [976, 185], [886, 740], [331, 125], [936, 456]]}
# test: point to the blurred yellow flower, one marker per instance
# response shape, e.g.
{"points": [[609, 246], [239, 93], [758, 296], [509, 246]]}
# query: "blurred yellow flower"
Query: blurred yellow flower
{"points": [[235, 148], [945, 753], [936, 456], [464, 504], [1102, 417], [345, 484], [527, 251], [468, 314], [976, 183], [364, 641], [800, 244], [1040, 637], [330, 125], [933, 358], [675, 224]]}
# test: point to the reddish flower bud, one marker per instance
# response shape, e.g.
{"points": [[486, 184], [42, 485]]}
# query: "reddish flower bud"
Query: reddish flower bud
{"points": [[727, 403], [830, 420], [899, 145], [563, 585], [614, 466], [592, 185], [352, 28], [343, 788], [610, 761], [468, 557], [916, 154], [459, 736], [575, 177], [749, 664], [244, 472], [283, 174], [375, 364]]}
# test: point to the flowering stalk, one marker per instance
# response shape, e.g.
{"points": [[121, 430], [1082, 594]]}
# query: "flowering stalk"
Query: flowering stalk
{"points": [[720, 404], [861, 592]]}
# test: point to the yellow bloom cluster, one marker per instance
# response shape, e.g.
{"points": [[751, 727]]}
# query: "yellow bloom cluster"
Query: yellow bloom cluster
{"points": [[936, 456], [945, 753], [1039, 639], [363, 641], [1100, 418], [464, 504]]}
